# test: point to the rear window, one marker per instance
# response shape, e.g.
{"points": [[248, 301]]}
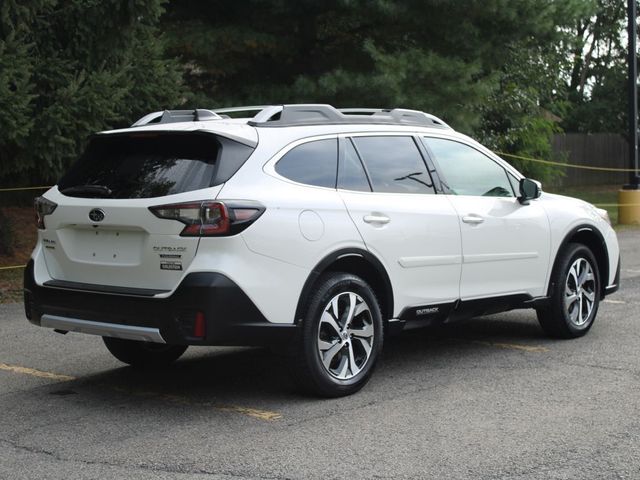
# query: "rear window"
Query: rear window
{"points": [[145, 165], [312, 163]]}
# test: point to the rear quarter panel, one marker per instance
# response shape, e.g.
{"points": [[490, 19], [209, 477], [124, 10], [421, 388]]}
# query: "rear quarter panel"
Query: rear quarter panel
{"points": [[301, 225]]}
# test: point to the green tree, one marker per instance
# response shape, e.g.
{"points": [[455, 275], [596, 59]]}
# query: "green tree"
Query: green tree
{"points": [[441, 56], [489, 68], [519, 117], [70, 68], [596, 70], [504, 71]]}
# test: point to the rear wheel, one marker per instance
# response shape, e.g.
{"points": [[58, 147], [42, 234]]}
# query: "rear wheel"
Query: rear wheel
{"points": [[575, 294], [143, 354], [341, 337]]}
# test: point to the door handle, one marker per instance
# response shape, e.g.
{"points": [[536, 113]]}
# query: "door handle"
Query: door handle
{"points": [[473, 219], [383, 219]]}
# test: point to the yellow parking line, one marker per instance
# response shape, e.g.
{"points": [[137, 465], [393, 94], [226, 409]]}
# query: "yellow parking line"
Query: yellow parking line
{"points": [[35, 373], [513, 346], [264, 415]]}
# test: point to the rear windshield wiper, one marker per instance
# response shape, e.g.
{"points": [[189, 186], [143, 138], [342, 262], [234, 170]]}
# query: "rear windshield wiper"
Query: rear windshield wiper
{"points": [[98, 190]]}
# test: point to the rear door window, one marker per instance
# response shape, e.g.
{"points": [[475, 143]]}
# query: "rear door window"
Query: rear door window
{"points": [[312, 163], [394, 164], [150, 164]]}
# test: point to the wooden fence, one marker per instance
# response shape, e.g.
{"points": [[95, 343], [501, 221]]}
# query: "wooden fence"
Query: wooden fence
{"points": [[595, 150]]}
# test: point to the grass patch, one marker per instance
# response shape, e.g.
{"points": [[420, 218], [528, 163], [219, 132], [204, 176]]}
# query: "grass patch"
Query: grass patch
{"points": [[23, 236], [11, 285], [602, 196]]}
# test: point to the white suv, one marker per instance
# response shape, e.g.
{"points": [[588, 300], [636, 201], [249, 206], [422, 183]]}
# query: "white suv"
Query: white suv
{"points": [[318, 229]]}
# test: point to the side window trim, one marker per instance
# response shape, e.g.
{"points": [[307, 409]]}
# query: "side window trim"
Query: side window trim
{"points": [[426, 164], [335, 183], [364, 167], [443, 177], [432, 170], [513, 183]]}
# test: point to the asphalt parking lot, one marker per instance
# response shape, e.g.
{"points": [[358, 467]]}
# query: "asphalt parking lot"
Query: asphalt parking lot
{"points": [[488, 399]]}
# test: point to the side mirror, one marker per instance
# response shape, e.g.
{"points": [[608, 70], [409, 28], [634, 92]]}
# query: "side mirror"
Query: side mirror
{"points": [[529, 189]]}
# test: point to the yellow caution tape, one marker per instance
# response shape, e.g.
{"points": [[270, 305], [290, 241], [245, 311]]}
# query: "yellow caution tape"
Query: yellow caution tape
{"points": [[617, 204], [23, 188], [569, 165]]}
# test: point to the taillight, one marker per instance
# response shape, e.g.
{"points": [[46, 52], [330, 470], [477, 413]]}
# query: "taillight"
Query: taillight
{"points": [[43, 208], [210, 218]]}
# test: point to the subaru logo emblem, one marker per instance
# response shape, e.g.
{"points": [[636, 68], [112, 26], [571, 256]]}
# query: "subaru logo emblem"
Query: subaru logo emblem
{"points": [[96, 215]]}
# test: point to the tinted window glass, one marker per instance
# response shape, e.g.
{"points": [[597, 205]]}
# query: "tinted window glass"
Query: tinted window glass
{"points": [[394, 164], [351, 175], [466, 171], [145, 165], [312, 163]]}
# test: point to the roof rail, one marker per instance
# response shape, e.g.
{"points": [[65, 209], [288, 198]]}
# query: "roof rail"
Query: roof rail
{"points": [[301, 115], [402, 115], [250, 108], [173, 116], [319, 114]]}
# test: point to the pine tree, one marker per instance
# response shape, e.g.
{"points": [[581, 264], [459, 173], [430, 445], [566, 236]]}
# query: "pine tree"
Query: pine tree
{"points": [[71, 68], [475, 63]]}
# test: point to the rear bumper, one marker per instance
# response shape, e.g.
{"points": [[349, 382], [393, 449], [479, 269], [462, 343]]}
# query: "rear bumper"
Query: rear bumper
{"points": [[230, 316]]}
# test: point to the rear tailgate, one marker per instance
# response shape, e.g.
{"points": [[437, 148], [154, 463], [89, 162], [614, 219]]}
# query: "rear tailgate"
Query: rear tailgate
{"points": [[130, 248], [102, 232]]}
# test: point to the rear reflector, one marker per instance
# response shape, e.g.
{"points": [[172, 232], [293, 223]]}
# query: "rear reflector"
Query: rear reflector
{"points": [[199, 326]]}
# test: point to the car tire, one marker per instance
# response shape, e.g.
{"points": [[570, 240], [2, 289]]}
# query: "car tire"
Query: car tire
{"points": [[340, 338], [143, 354], [574, 294]]}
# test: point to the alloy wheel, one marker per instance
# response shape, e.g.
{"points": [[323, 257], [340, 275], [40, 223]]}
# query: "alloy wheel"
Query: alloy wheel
{"points": [[345, 335], [580, 292]]}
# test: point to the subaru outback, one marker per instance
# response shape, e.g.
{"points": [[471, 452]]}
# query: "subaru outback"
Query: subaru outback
{"points": [[316, 230]]}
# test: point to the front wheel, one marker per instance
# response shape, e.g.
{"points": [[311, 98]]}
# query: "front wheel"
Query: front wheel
{"points": [[143, 354], [575, 294], [341, 337]]}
